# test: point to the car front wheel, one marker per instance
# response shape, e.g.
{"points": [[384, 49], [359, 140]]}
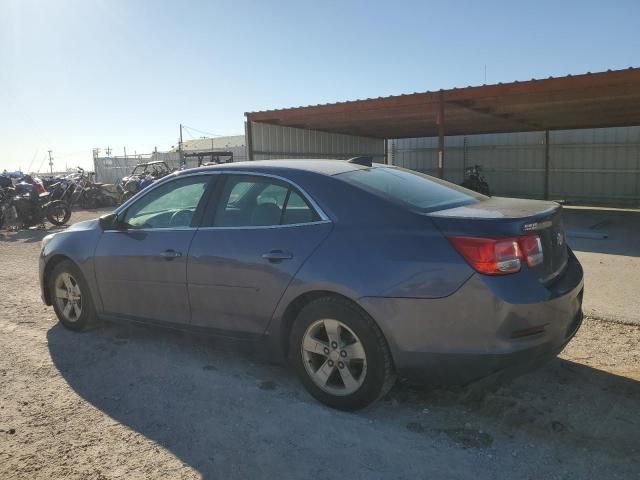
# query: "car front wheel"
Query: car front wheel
{"points": [[70, 296], [340, 354]]}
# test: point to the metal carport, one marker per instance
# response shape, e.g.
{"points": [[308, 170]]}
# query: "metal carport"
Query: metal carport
{"points": [[591, 100]]}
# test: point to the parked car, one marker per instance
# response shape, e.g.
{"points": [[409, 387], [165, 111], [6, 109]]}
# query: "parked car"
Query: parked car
{"points": [[355, 272]]}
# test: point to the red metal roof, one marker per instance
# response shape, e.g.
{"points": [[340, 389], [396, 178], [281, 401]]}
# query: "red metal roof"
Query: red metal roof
{"points": [[591, 100]]}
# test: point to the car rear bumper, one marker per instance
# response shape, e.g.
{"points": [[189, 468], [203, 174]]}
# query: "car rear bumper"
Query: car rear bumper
{"points": [[481, 329]]}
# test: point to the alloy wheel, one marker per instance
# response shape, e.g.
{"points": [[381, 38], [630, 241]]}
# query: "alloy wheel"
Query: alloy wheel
{"points": [[68, 297], [334, 357]]}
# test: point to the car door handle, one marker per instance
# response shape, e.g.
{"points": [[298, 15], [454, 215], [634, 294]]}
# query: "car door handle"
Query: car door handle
{"points": [[170, 254], [277, 256]]}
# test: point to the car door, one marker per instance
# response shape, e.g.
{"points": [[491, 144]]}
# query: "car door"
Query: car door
{"points": [[254, 238], [141, 263]]}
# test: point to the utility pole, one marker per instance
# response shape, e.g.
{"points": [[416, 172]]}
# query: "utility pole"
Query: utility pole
{"points": [[50, 162], [180, 149], [125, 152], [108, 151]]}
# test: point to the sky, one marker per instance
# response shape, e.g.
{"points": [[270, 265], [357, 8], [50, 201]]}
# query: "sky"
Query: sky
{"points": [[82, 74]]}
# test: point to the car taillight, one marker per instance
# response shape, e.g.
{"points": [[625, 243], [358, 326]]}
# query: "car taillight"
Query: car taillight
{"points": [[499, 256], [532, 249]]}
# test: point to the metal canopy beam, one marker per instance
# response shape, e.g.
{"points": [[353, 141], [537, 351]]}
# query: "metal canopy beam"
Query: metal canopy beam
{"points": [[440, 124], [606, 99], [547, 160]]}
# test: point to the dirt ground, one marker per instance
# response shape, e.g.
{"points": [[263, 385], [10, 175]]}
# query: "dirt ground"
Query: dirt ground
{"points": [[131, 402], [612, 264]]}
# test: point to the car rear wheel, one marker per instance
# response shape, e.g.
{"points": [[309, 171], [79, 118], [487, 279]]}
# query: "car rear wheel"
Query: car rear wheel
{"points": [[340, 354], [70, 297]]}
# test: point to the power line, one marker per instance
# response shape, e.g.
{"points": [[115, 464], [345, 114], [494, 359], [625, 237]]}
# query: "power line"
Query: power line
{"points": [[44, 157], [188, 130], [32, 159], [202, 131]]}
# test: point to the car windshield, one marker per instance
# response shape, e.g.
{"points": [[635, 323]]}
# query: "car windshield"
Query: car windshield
{"points": [[413, 189]]}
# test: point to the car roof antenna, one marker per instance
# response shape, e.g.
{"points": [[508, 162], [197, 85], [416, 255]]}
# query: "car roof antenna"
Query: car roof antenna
{"points": [[365, 161]]}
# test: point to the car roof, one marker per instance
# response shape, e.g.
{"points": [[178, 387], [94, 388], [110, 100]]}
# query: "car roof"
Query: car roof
{"points": [[321, 166]]}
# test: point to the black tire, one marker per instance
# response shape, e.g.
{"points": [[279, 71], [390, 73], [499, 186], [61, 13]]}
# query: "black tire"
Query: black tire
{"points": [[87, 317], [58, 212], [380, 374]]}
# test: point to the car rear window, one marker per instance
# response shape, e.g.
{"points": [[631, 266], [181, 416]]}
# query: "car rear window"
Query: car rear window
{"points": [[413, 189]]}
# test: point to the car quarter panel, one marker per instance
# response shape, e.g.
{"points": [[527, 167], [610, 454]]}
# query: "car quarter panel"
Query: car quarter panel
{"points": [[475, 331]]}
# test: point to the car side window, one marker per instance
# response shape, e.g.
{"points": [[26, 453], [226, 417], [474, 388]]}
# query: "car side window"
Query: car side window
{"points": [[273, 194], [297, 210], [172, 205], [251, 201]]}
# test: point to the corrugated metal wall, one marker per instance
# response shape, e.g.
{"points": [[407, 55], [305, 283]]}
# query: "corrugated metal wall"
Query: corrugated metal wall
{"points": [[596, 165], [590, 166], [273, 141]]}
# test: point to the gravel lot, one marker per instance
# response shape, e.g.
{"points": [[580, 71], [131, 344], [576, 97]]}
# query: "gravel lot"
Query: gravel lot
{"points": [[611, 265], [131, 402]]}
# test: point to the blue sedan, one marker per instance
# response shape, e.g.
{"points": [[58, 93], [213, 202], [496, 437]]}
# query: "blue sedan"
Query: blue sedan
{"points": [[355, 272]]}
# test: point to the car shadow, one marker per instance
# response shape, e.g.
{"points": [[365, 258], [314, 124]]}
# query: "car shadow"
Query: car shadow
{"points": [[197, 397], [219, 406]]}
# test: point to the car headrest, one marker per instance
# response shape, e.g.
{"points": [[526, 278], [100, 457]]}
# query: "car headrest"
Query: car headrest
{"points": [[266, 214]]}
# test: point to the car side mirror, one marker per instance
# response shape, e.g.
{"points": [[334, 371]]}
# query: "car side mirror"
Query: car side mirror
{"points": [[111, 222]]}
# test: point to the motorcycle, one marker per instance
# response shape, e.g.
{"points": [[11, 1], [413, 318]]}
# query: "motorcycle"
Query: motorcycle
{"points": [[22, 206], [90, 195], [62, 190], [473, 180], [84, 194]]}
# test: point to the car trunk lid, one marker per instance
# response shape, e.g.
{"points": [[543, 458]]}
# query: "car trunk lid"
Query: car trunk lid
{"points": [[503, 217]]}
